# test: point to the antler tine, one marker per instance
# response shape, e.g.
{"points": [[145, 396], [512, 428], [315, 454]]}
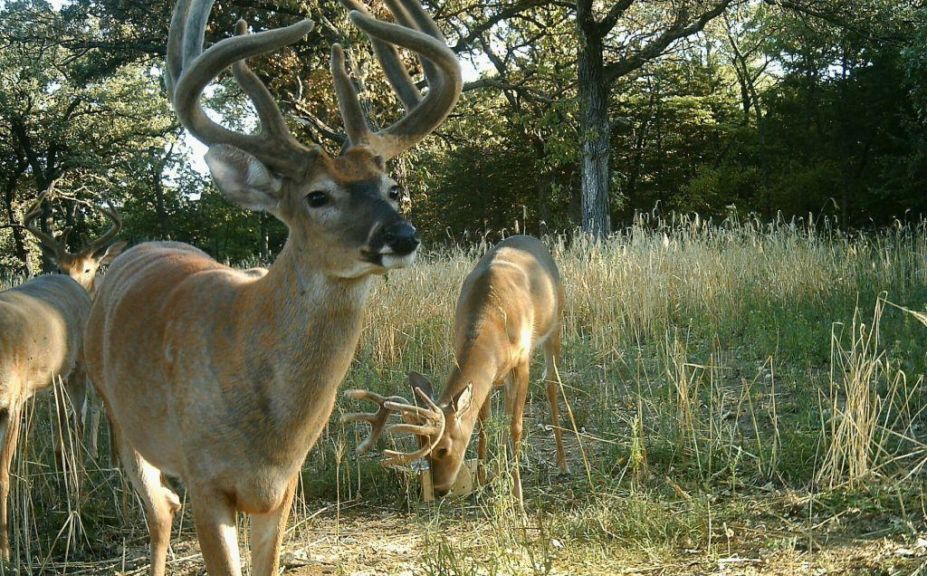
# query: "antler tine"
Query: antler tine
{"points": [[446, 82], [377, 420], [352, 115], [268, 112], [386, 54], [432, 430], [113, 231], [411, 15], [191, 69], [34, 211]]}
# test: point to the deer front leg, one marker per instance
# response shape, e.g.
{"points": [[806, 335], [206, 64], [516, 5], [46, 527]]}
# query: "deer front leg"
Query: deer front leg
{"points": [[9, 428], [267, 534], [485, 412], [214, 517], [517, 393]]}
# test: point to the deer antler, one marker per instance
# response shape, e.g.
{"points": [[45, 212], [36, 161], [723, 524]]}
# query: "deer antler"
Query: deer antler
{"points": [[431, 428], [417, 32], [33, 212], [377, 420], [190, 69], [108, 236]]}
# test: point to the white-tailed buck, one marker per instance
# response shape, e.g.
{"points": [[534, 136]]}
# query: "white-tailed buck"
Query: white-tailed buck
{"points": [[42, 325], [225, 379], [510, 304]]}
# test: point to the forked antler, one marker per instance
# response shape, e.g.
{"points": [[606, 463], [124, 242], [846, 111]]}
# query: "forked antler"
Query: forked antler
{"points": [[377, 420], [47, 240], [103, 241], [432, 427], [190, 69], [60, 247], [417, 32]]}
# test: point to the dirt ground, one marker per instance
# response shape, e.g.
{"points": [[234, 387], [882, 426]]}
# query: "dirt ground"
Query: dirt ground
{"points": [[370, 541]]}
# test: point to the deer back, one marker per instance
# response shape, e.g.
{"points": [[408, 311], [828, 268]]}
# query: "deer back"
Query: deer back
{"points": [[512, 300], [41, 328]]}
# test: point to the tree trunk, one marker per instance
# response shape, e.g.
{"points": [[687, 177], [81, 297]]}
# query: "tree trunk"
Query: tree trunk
{"points": [[265, 237], [19, 240], [594, 125]]}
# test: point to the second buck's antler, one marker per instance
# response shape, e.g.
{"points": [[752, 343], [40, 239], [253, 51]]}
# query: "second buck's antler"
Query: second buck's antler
{"points": [[82, 265], [422, 422], [233, 375]]}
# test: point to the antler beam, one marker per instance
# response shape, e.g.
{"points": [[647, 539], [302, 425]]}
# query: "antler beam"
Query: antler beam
{"points": [[428, 423], [191, 69], [415, 31]]}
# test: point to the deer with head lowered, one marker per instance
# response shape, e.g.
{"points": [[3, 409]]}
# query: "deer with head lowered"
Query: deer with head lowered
{"points": [[509, 305], [42, 325], [225, 379]]}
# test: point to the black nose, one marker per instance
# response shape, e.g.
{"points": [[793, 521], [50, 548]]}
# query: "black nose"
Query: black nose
{"points": [[402, 237]]}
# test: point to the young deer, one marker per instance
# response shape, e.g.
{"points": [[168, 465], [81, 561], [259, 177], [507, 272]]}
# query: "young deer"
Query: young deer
{"points": [[510, 304], [41, 334], [225, 379]]}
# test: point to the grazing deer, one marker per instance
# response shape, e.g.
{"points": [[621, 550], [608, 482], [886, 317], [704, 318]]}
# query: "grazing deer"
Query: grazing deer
{"points": [[224, 378], [510, 304], [41, 333]]}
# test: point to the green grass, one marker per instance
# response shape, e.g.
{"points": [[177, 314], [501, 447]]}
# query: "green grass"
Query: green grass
{"points": [[717, 374]]}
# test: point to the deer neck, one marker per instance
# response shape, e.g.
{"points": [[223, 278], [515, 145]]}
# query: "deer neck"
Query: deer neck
{"points": [[307, 325], [477, 365]]}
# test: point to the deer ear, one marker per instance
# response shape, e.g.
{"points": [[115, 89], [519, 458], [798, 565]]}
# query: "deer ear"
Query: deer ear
{"points": [[462, 400], [114, 249], [242, 178], [416, 380]]}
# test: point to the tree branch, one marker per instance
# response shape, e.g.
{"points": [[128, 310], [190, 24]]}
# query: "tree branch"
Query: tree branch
{"points": [[614, 14], [655, 48]]}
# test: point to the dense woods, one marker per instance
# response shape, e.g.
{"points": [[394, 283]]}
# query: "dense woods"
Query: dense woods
{"points": [[574, 115]]}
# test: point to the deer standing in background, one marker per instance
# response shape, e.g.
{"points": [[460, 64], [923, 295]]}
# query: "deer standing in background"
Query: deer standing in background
{"points": [[42, 325], [510, 304], [226, 379]]}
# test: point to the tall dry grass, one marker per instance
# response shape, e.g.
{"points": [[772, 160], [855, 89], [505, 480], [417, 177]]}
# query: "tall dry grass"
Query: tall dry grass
{"points": [[701, 361]]}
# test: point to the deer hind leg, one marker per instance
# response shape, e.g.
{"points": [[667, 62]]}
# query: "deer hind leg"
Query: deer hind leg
{"points": [[551, 361], [267, 534], [9, 428], [94, 409], [485, 412], [516, 394], [159, 501], [214, 517]]}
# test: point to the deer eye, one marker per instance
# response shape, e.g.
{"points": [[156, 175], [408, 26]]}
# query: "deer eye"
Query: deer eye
{"points": [[395, 193], [441, 452], [317, 199]]}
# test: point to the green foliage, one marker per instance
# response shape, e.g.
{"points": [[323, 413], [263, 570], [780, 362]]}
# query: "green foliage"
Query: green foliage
{"points": [[812, 108]]}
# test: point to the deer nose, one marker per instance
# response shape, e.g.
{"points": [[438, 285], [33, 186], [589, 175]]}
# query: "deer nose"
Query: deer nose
{"points": [[401, 237]]}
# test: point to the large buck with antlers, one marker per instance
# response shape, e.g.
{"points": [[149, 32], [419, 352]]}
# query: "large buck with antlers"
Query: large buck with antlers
{"points": [[226, 379], [42, 325], [509, 305]]}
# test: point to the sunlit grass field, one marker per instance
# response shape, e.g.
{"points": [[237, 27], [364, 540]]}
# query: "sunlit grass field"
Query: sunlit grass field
{"points": [[739, 398]]}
